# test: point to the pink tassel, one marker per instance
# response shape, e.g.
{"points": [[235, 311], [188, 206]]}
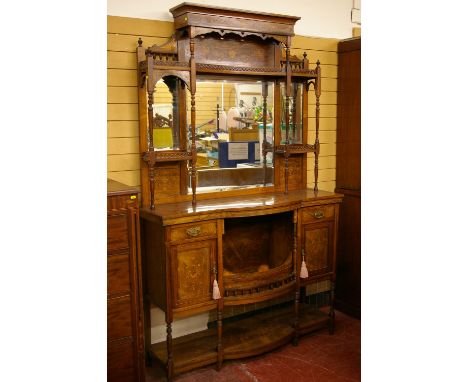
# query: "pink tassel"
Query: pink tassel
{"points": [[216, 294], [304, 272]]}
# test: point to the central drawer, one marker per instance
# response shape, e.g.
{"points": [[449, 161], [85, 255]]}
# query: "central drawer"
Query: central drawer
{"points": [[192, 231]]}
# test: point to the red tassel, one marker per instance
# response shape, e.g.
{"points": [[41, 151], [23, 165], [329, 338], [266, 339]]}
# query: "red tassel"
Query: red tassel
{"points": [[304, 272], [216, 294]]}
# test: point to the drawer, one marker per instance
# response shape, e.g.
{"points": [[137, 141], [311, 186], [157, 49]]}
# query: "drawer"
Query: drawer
{"points": [[117, 232], [318, 213], [119, 317], [120, 361], [192, 231], [118, 273]]}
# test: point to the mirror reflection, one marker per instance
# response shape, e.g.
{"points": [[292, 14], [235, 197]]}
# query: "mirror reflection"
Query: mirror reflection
{"points": [[295, 113], [234, 134], [166, 115]]}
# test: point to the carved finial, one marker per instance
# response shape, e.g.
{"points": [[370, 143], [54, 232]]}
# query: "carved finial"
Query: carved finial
{"points": [[140, 42], [318, 62], [304, 55]]}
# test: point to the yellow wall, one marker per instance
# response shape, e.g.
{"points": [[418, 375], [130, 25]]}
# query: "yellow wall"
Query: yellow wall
{"points": [[122, 97]]}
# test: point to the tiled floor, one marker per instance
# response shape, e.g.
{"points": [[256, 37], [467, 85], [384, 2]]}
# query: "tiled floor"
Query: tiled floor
{"points": [[319, 357]]}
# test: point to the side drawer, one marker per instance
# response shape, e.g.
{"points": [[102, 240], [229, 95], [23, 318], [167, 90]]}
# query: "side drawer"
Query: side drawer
{"points": [[117, 232], [192, 230], [318, 213], [119, 318], [118, 274]]}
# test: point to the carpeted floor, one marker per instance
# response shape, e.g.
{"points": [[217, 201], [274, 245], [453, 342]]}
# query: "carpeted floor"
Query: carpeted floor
{"points": [[319, 357]]}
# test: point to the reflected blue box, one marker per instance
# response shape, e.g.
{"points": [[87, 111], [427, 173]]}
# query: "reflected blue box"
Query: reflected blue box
{"points": [[223, 154]]}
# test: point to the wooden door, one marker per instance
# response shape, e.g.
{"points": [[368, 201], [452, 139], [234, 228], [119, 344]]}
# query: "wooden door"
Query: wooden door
{"points": [[318, 247], [193, 265]]}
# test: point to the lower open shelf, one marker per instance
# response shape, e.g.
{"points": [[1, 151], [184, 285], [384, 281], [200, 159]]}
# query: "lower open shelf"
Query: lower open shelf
{"points": [[243, 338]]}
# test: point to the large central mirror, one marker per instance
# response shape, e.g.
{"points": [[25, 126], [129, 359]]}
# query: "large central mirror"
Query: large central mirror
{"points": [[234, 119]]}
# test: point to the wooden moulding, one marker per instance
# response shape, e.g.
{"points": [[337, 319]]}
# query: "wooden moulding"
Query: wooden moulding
{"points": [[243, 338]]}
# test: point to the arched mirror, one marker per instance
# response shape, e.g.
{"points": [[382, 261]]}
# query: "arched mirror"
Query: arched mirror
{"points": [[168, 121]]}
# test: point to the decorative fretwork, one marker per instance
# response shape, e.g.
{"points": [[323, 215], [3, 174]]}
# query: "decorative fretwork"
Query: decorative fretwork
{"points": [[295, 148], [178, 64], [232, 292], [214, 67], [165, 156], [202, 31]]}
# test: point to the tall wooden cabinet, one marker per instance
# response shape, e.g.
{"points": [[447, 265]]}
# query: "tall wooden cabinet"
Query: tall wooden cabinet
{"points": [[348, 177], [227, 219], [125, 361]]}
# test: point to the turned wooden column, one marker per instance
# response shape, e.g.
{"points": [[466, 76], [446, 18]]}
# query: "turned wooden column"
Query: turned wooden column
{"points": [[264, 146], [297, 291], [317, 86], [288, 95], [193, 85]]}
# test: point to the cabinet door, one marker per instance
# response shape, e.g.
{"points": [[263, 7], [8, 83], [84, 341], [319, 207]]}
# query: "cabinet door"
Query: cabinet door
{"points": [[192, 271], [318, 247]]}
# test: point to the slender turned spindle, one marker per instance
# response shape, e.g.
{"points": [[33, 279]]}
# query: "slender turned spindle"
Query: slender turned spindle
{"points": [[293, 111], [151, 176], [297, 293], [169, 365], [288, 94], [150, 119], [317, 86], [264, 146], [193, 173], [220, 335]]}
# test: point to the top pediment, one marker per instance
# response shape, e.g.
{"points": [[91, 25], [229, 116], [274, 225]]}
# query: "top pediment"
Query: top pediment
{"points": [[204, 16]]}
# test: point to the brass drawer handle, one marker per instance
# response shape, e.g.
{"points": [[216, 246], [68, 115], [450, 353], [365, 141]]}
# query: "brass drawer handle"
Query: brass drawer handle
{"points": [[318, 214], [193, 231]]}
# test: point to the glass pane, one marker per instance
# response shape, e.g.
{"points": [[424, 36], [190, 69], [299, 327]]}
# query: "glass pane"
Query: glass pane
{"points": [[166, 129], [295, 113], [230, 133]]}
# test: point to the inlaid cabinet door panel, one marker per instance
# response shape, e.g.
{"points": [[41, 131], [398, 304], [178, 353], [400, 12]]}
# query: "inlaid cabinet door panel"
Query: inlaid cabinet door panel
{"points": [[192, 270], [318, 247]]}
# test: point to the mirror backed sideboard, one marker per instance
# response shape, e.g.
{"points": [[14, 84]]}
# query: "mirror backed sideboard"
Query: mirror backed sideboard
{"points": [[227, 218]]}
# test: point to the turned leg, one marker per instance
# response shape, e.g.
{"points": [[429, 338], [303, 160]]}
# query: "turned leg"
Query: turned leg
{"points": [[169, 366], [331, 322], [296, 318], [220, 339]]}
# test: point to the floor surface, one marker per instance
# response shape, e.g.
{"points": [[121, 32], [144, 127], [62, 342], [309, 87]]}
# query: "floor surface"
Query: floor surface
{"points": [[319, 357]]}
